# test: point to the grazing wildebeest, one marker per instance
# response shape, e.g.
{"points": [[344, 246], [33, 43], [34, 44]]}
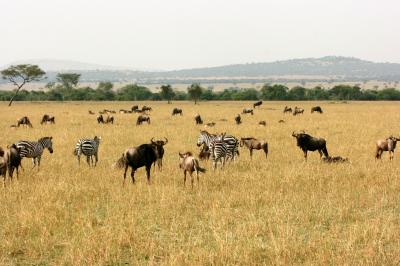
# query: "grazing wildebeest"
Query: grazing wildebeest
{"points": [[308, 143], [160, 144], [211, 124], [48, 119], [287, 110], [204, 153], [188, 163], [100, 119], [238, 119], [102, 112], [143, 155], [109, 119], [91, 112], [247, 111], [146, 108], [316, 109], [135, 107], [176, 111], [259, 103], [24, 121], [198, 119], [298, 110], [123, 111], [262, 123], [388, 144], [13, 159], [254, 144], [281, 121], [142, 118], [335, 159]]}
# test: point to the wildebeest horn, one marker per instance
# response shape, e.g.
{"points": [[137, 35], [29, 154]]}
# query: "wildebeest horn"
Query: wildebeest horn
{"points": [[166, 140], [152, 140]]}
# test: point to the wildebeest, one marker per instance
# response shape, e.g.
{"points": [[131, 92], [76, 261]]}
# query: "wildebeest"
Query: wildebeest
{"points": [[335, 159], [24, 121], [281, 121], [144, 155], [316, 109], [308, 143], [123, 111], [146, 108], [160, 144], [108, 119], [254, 144], [189, 164], [262, 123], [298, 110], [100, 119], [176, 111], [211, 124], [238, 119], [247, 111], [135, 107], [13, 160], [287, 110], [198, 119], [204, 153], [48, 119], [259, 103], [142, 118], [388, 144]]}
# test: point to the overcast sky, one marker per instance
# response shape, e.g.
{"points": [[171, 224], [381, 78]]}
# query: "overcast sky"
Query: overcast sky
{"points": [[174, 34]]}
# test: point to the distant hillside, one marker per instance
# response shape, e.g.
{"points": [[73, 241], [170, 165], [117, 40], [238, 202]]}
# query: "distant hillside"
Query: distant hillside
{"points": [[316, 69]]}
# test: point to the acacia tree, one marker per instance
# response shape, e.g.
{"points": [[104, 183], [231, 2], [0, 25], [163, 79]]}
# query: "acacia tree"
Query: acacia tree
{"points": [[195, 91], [167, 93], [19, 75], [68, 80]]}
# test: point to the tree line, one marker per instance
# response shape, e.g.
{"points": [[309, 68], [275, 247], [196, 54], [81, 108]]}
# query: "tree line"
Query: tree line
{"points": [[66, 89]]}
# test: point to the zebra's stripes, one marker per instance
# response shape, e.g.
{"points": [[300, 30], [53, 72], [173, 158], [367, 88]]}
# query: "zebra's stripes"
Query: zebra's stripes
{"points": [[34, 150], [231, 142], [219, 152], [89, 148]]}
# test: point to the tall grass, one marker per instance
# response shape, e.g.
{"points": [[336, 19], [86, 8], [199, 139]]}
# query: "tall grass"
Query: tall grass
{"points": [[276, 211]]}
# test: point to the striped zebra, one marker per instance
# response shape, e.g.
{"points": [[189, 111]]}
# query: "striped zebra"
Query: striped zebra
{"points": [[219, 152], [89, 148], [34, 150], [231, 142]]}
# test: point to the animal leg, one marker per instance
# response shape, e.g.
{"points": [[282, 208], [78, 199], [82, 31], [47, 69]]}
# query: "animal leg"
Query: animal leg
{"points": [[305, 155], [133, 175], [251, 154], [34, 162], [79, 160], [97, 159], [148, 168], [126, 168], [88, 160], [38, 162], [191, 177], [184, 178]]}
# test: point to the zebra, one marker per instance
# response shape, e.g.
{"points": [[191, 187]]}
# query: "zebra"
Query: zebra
{"points": [[34, 150], [88, 147], [219, 152], [232, 143]]}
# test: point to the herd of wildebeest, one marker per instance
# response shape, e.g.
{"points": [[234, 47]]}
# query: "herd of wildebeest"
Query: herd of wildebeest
{"points": [[217, 147]]}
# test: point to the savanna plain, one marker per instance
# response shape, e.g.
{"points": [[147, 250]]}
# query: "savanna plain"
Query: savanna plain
{"points": [[281, 210]]}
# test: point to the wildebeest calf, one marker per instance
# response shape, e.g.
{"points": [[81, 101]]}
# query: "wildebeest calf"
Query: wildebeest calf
{"points": [[204, 153], [262, 123], [298, 110], [287, 110], [335, 159], [247, 111], [308, 143], [259, 103], [198, 119], [190, 164], [238, 119], [254, 144], [388, 144]]}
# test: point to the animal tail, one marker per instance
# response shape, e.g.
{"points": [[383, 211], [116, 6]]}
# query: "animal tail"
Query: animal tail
{"points": [[197, 166], [121, 162], [75, 152]]}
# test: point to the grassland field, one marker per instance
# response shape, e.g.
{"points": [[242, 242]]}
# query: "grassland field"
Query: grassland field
{"points": [[279, 211]]}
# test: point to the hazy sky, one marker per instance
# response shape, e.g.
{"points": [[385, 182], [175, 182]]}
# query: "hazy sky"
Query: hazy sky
{"points": [[161, 34]]}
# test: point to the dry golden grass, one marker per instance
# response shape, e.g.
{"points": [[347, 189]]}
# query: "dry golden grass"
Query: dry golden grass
{"points": [[276, 211]]}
